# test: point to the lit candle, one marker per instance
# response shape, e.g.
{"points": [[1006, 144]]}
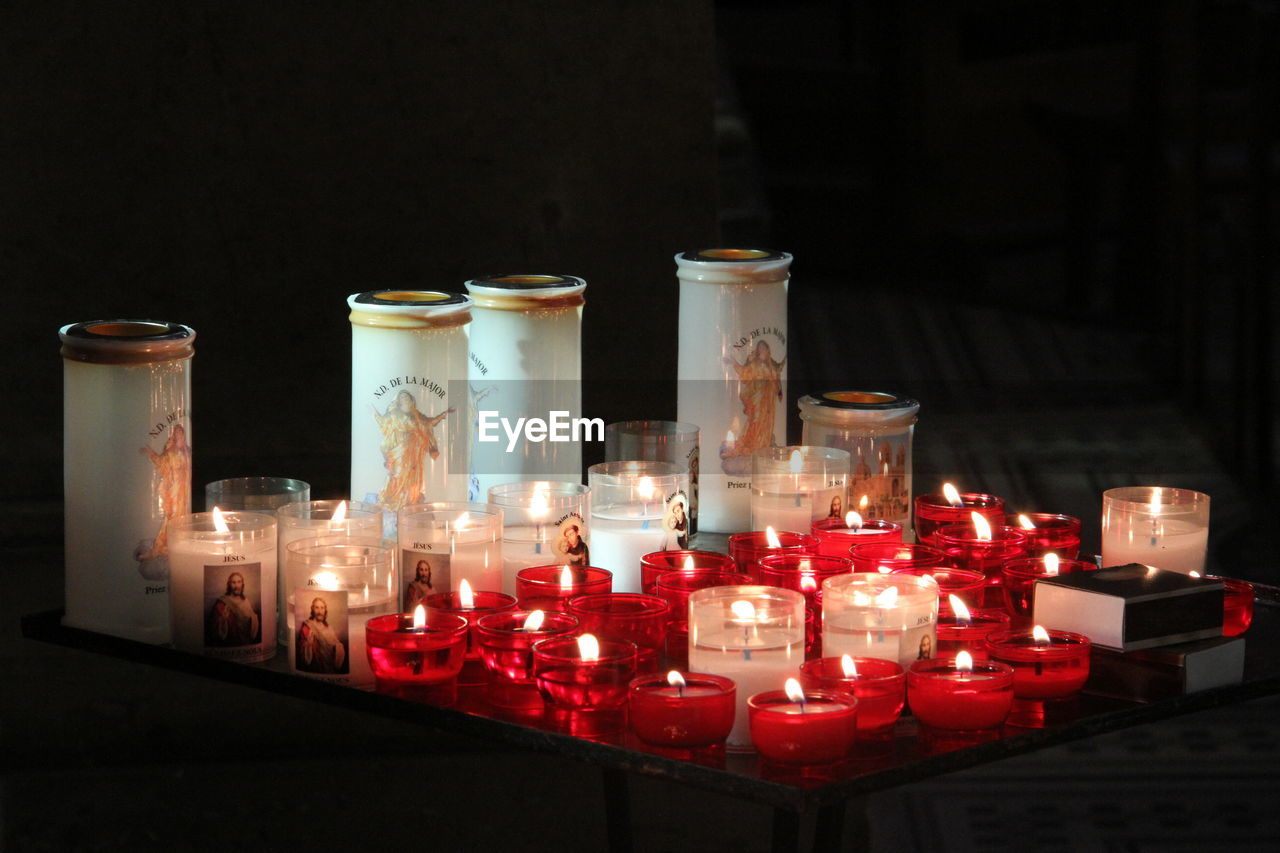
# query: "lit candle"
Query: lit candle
{"points": [[1047, 666], [626, 616], [795, 726], [1047, 532], [953, 507], [880, 686], [1161, 527], [443, 544], [892, 617], [417, 656], [1019, 577], [960, 694], [636, 508], [584, 675], [746, 549], [506, 642], [551, 587], [836, 536], [471, 605], [965, 629], [682, 711], [652, 566], [543, 522], [792, 487]]}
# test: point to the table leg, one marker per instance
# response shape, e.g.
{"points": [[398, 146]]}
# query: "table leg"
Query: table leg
{"points": [[828, 830], [617, 810], [786, 831]]}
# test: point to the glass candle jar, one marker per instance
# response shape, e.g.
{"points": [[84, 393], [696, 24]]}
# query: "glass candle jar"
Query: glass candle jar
{"points": [[876, 429], [892, 617], [934, 511], [408, 360], [470, 605], [965, 585], [746, 549], [695, 712], [880, 687], [792, 487], [442, 544], [126, 473], [658, 441], [652, 566], [551, 587], [676, 587], [1020, 576], [732, 368], [1052, 666], [804, 573], [415, 661], [526, 362], [542, 522], [886, 557], [1237, 606], [1048, 532], [751, 634], [506, 643], [811, 728], [626, 616], [965, 548], [222, 585], [944, 695], [254, 494], [585, 693], [636, 508], [1155, 526], [968, 632], [836, 535]]}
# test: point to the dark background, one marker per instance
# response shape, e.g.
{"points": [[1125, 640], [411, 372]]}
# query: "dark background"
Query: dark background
{"points": [[1051, 222]]}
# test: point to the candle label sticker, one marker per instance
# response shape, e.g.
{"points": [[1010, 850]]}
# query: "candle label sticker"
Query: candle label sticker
{"points": [[570, 544], [694, 459], [411, 422], [758, 363], [676, 521], [428, 573], [170, 458], [233, 609], [321, 636], [880, 474]]}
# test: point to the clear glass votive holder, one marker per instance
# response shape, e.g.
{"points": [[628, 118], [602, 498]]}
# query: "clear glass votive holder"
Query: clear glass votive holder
{"points": [[658, 441], [543, 522], [1049, 532], [254, 494], [636, 508], [1155, 526], [792, 487], [683, 718], [507, 647], [892, 617], [836, 537], [886, 557], [1020, 576], [626, 616], [747, 548], [418, 663], [880, 687], [551, 587], [445, 542], [676, 587], [934, 511], [658, 563]]}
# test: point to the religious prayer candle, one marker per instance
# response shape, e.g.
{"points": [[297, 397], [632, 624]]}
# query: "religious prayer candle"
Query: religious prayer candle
{"points": [[682, 711], [1046, 664], [126, 443], [732, 369], [658, 441], [584, 681], [951, 507], [1155, 526], [542, 522], [965, 585], [254, 494], [636, 508], [417, 655], [792, 487], [746, 549], [876, 429], [880, 687], [551, 587], [751, 634], [506, 642], [222, 584], [803, 727], [1048, 533], [960, 694], [526, 362], [337, 584], [630, 616], [471, 604], [408, 361], [837, 535], [892, 617], [443, 544], [1020, 575], [660, 562], [980, 548], [966, 629], [886, 557]]}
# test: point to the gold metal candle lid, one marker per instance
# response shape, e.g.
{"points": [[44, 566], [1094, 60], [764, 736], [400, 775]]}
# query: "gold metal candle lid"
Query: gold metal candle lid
{"points": [[861, 400], [879, 407], [399, 308], [527, 292], [733, 266], [126, 341]]}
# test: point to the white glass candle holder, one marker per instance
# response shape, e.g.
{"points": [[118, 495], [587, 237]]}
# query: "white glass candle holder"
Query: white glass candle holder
{"points": [[1156, 526], [636, 508], [222, 585], [543, 522], [126, 470], [658, 441], [526, 362], [408, 434], [891, 617], [314, 520], [442, 544], [877, 430], [792, 487], [254, 494], [732, 369], [337, 584], [752, 634]]}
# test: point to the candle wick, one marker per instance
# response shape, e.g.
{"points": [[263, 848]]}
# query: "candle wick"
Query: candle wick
{"points": [[681, 689]]}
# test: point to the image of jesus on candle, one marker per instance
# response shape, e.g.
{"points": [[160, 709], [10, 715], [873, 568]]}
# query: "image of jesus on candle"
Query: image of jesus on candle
{"points": [[320, 646], [837, 508], [173, 466], [760, 391], [408, 439], [572, 547], [421, 586], [233, 619]]}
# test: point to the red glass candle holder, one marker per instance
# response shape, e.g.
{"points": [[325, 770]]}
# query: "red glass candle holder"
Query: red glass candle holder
{"points": [[965, 550], [417, 663], [885, 557], [942, 696], [543, 587], [965, 585], [1044, 672], [508, 653], [934, 511], [483, 603], [968, 635], [1020, 576], [880, 686], [746, 549], [1052, 532], [660, 562], [676, 587], [677, 656], [626, 616], [587, 698], [821, 730], [835, 538], [1237, 606], [802, 572], [694, 717]]}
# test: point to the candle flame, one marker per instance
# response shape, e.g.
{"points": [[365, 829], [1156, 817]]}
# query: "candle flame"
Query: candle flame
{"points": [[926, 580], [1155, 501], [1151, 570], [964, 661], [419, 618], [1025, 523], [325, 580], [743, 611], [1050, 561], [887, 597], [794, 691], [339, 513], [588, 647], [466, 597], [1040, 635], [538, 504], [848, 666], [219, 523], [1194, 573], [462, 521], [645, 488], [566, 579], [808, 583], [533, 621], [729, 437], [959, 609], [796, 464], [852, 520], [981, 527], [688, 563], [771, 536], [952, 495], [675, 679], [903, 554], [862, 504]]}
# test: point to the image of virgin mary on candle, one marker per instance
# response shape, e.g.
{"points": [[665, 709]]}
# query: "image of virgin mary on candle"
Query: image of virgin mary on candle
{"points": [[173, 466], [571, 546], [319, 646], [760, 392], [233, 619], [408, 440]]}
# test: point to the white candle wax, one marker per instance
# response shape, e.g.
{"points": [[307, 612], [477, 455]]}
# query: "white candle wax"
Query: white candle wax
{"points": [[763, 662], [620, 536], [1173, 545], [791, 508]]}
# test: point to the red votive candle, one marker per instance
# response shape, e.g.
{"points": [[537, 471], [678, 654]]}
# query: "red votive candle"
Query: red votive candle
{"points": [[880, 686], [746, 549], [965, 585], [1237, 606], [660, 562], [821, 729], [551, 587], [420, 663], [1051, 532], [677, 656], [676, 587], [968, 632], [627, 616], [965, 550], [835, 537], [885, 557], [695, 712], [945, 695], [1054, 666], [471, 607], [934, 511], [1020, 576], [802, 572], [584, 682], [507, 647]]}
